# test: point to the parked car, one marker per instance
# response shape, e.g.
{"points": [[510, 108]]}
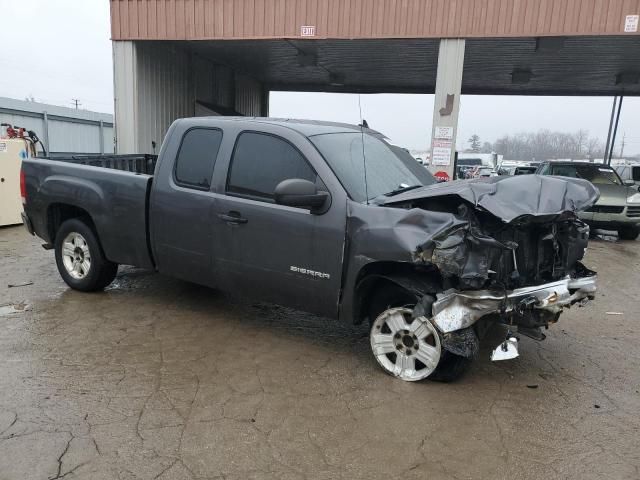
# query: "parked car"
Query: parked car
{"points": [[293, 213], [629, 173], [482, 171], [464, 167], [618, 207]]}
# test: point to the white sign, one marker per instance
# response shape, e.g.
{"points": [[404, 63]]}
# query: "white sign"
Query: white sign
{"points": [[3, 147], [441, 152], [631, 23], [308, 31], [445, 133]]}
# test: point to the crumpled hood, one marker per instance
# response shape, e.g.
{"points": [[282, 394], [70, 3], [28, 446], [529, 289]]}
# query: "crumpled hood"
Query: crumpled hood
{"points": [[510, 198]]}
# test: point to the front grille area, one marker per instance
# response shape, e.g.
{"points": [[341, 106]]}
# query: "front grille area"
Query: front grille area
{"points": [[633, 212], [605, 209], [545, 252]]}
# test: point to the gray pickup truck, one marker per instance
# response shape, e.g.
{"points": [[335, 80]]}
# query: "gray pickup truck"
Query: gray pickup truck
{"points": [[330, 219]]}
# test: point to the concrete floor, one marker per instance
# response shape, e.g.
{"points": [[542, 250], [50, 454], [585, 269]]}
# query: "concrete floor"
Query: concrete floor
{"points": [[157, 378]]}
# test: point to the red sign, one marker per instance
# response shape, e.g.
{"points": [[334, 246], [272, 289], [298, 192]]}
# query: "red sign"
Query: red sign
{"points": [[442, 176]]}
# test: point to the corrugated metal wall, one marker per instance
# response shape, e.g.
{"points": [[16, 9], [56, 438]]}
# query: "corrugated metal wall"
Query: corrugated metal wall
{"points": [[237, 19], [157, 82], [61, 129], [248, 95], [165, 91]]}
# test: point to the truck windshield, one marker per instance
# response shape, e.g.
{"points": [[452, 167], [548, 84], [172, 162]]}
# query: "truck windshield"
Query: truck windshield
{"points": [[387, 169]]}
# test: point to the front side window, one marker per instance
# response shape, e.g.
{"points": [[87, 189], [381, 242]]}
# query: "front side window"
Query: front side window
{"points": [[197, 157], [261, 161]]}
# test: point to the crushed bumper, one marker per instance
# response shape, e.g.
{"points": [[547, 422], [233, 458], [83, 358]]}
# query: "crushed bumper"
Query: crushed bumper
{"points": [[454, 309]]}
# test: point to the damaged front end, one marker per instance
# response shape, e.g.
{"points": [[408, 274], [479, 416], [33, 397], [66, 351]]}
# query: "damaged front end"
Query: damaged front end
{"points": [[510, 251], [524, 272]]}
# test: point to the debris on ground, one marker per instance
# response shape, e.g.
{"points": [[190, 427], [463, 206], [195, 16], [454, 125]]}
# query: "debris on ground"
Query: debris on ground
{"points": [[23, 284], [11, 309], [614, 313]]}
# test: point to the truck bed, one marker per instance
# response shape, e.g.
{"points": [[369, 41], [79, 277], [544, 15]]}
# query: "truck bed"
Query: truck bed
{"points": [[113, 190], [137, 163]]}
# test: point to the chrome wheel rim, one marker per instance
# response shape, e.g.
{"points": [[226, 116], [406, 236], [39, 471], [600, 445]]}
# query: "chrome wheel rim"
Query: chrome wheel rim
{"points": [[76, 257], [404, 347]]}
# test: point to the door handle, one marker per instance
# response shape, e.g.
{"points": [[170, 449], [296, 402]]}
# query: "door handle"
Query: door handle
{"points": [[232, 217]]}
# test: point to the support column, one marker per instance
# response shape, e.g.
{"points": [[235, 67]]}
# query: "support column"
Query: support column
{"points": [[446, 105], [264, 107], [125, 89]]}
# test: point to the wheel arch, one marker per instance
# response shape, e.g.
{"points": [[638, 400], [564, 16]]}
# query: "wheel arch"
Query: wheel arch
{"points": [[415, 280], [58, 213]]}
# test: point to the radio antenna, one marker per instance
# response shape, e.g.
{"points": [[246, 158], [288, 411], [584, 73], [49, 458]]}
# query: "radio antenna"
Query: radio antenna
{"points": [[364, 158]]}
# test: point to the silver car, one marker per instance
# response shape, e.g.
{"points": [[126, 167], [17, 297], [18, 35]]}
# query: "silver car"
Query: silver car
{"points": [[618, 207]]}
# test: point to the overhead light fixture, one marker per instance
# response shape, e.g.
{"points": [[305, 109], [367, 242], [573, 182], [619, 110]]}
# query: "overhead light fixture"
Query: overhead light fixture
{"points": [[549, 44], [627, 78], [336, 79], [307, 59], [520, 76]]}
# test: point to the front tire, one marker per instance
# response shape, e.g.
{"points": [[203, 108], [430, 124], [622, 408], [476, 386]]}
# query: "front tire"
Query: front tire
{"points": [[628, 233], [80, 259], [395, 334]]}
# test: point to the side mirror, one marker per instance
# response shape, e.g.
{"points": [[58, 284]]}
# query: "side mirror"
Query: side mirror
{"points": [[629, 183], [296, 192]]}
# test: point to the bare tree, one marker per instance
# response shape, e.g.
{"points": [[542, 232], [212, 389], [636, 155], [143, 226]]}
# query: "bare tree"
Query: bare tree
{"points": [[486, 147], [594, 149], [548, 145]]}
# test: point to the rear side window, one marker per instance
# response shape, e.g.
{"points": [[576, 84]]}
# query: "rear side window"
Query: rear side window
{"points": [[261, 161], [196, 157], [635, 173], [623, 172]]}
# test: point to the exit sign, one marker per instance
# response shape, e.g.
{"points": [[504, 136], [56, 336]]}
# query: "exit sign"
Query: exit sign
{"points": [[308, 31]]}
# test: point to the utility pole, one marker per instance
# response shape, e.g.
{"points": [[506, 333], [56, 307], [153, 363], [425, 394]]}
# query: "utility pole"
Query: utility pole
{"points": [[622, 145], [76, 102]]}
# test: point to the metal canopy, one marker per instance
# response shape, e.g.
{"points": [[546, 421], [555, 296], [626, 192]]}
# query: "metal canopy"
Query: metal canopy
{"points": [[603, 65]]}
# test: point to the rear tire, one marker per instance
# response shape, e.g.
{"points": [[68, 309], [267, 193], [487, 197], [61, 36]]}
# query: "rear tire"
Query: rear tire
{"points": [[80, 259], [450, 366], [628, 233]]}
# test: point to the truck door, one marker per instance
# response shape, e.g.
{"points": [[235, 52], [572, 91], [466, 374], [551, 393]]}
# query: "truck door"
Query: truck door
{"points": [[274, 252], [182, 205]]}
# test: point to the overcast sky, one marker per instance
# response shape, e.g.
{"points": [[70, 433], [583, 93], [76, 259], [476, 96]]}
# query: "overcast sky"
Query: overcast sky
{"points": [[59, 50]]}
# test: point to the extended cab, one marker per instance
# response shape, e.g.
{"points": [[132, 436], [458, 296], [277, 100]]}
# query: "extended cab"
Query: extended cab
{"points": [[328, 218]]}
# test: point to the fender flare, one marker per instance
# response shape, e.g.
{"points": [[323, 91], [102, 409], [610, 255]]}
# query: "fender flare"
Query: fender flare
{"points": [[414, 283]]}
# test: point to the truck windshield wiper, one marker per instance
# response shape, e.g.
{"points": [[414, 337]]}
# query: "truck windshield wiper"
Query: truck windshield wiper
{"points": [[401, 189]]}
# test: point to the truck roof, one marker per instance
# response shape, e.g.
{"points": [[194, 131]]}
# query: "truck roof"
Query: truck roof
{"points": [[305, 127]]}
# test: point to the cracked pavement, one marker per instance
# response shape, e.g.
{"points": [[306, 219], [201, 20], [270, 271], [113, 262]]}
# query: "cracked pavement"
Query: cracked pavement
{"points": [[161, 379]]}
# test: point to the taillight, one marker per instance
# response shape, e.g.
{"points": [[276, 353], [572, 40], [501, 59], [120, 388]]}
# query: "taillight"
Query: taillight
{"points": [[23, 187]]}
